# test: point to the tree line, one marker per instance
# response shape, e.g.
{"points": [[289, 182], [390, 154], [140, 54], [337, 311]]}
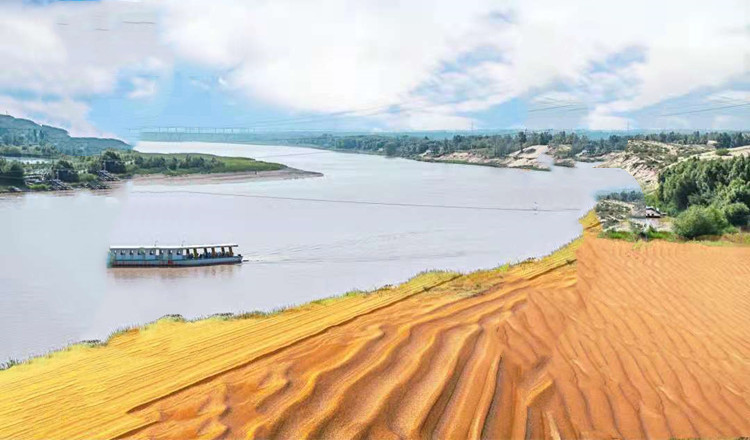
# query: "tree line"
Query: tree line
{"points": [[501, 145], [708, 196], [11, 173]]}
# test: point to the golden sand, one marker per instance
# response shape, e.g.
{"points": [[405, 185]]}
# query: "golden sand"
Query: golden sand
{"points": [[602, 339]]}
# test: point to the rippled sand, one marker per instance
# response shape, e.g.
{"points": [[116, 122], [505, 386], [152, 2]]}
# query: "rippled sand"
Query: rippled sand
{"points": [[601, 339]]}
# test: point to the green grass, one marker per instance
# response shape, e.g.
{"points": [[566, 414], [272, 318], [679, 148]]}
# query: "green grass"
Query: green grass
{"points": [[618, 235], [653, 234], [214, 164]]}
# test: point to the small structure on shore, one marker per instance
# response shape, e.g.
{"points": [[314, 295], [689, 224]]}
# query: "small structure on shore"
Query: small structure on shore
{"points": [[173, 256], [652, 212]]}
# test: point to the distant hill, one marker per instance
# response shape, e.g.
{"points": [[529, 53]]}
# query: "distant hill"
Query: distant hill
{"points": [[16, 131]]}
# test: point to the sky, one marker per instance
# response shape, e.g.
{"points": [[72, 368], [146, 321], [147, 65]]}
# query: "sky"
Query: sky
{"points": [[113, 67]]}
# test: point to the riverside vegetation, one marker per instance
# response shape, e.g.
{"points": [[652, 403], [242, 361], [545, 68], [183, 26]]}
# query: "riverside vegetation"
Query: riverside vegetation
{"points": [[564, 145], [84, 170], [59, 160], [706, 197]]}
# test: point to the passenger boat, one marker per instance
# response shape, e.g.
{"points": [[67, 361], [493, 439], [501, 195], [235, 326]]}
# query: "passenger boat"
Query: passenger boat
{"points": [[173, 256]]}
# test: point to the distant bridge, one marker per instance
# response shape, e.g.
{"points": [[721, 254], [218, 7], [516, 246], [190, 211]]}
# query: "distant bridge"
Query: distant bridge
{"points": [[214, 134]]}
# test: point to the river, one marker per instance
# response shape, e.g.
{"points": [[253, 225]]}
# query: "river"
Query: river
{"points": [[368, 222]]}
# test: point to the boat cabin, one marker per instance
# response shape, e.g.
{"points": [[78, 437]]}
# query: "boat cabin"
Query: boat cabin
{"points": [[186, 255]]}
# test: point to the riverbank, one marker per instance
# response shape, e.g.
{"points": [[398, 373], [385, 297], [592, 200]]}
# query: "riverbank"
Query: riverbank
{"points": [[111, 168], [234, 177], [185, 179], [564, 347], [525, 159]]}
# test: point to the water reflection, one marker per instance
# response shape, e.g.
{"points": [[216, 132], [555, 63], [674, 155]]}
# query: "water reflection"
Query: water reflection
{"points": [[173, 273]]}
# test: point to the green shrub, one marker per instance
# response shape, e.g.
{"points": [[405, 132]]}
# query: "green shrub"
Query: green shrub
{"points": [[12, 174], [86, 177], [699, 220], [722, 152], [737, 214]]}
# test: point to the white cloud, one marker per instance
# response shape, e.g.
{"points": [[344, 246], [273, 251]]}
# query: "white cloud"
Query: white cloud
{"points": [[54, 58], [336, 55], [729, 122], [75, 48], [142, 88], [329, 55], [730, 97], [333, 55], [66, 113]]}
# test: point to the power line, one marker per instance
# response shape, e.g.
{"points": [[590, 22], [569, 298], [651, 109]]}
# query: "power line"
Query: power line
{"points": [[362, 202], [711, 109], [395, 108], [575, 107]]}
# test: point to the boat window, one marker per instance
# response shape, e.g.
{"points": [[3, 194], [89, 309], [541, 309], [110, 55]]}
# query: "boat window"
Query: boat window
{"points": [[151, 252], [131, 252], [170, 252], [122, 252], [179, 252]]}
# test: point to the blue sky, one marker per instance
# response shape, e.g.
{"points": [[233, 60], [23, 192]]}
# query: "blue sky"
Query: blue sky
{"points": [[111, 67]]}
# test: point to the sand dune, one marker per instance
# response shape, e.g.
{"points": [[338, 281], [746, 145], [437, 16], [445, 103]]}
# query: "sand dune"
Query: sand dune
{"points": [[602, 339]]}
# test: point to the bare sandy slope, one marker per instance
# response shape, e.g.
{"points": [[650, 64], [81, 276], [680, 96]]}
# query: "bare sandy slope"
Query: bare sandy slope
{"points": [[528, 158], [602, 339]]}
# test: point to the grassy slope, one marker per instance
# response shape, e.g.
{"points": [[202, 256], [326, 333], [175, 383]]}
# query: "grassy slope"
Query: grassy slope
{"points": [[225, 164]]}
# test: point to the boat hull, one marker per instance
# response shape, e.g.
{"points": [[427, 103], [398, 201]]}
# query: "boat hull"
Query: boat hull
{"points": [[177, 263]]}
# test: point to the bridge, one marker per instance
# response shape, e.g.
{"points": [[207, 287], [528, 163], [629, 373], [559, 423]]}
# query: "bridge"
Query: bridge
{"points": [[215, 134]]}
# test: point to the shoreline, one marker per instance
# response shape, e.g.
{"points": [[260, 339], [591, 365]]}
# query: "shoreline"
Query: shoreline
{"points": [[295, 323], [286, 173], [588, 221], [527, 162], [523, 327]]}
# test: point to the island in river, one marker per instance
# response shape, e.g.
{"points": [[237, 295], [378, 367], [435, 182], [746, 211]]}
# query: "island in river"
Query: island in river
{"points": [[102, 170], [35, 157]]}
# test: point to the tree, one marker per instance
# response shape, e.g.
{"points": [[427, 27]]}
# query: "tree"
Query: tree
{"points": [[724, 140], [737, 140], [12, 174], [737, 214], [64, 170], [112, 162], [697, 221]]}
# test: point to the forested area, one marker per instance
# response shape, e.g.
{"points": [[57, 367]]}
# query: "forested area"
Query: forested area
{"points": [[707, 195], [501, 145], [83, 171], [623, 196]]}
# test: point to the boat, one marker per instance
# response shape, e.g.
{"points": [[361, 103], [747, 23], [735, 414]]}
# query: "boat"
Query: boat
{"points": [[173, 256]]}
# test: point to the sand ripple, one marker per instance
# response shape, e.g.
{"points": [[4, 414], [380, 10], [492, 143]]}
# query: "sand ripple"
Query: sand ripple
{"points": [[603, 339]]}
